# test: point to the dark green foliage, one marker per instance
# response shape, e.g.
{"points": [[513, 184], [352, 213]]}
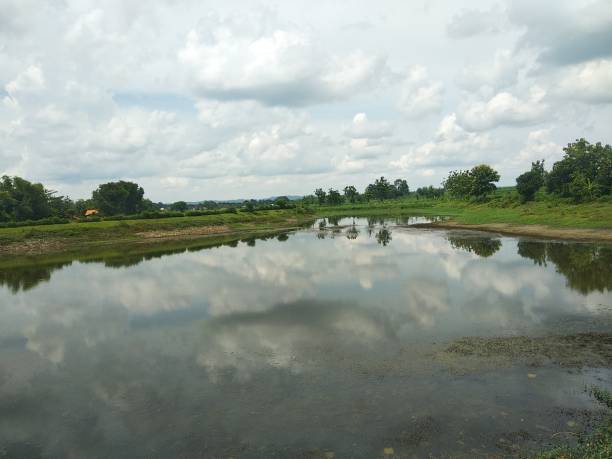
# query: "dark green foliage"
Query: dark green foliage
{"points": [[383, 237], [584, 173], [381, 189], [483, 179], [458, 184], [321, 195], [586, 267], [477, 182], [119, 198], [401, 187], [334, 197], [528, 184], [350, 193], [483, 247], [22, 200], [249, 206], [180, 206], [282, 202]]}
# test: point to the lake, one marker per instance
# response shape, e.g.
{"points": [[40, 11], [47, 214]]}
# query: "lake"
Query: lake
{"points": [[351, 338]]}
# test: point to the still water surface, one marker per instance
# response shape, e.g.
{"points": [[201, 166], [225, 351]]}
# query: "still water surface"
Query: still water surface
{"points": [[325, 342]]}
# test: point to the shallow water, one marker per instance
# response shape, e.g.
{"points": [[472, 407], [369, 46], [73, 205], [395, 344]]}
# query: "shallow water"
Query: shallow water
{"points": [[325, 342]]}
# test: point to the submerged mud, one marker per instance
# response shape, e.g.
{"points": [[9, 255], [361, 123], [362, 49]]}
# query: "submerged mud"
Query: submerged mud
{"points": [[576, 350]]}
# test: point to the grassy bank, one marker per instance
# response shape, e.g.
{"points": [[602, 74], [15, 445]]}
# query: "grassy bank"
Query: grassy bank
{"points": [[104, 235], [555, 213]]}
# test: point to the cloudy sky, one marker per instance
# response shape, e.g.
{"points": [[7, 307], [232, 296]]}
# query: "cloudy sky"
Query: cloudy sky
{"points": [[208, 99]]}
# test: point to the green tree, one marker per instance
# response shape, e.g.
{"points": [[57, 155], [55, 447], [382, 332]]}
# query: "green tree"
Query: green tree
{"points": [[118, 198], [458, 184], [321, 195], [282, 202], [23, 200], [249, 205], [401, 187], [381, 189], [483, 177], [350, 192], [334, 198], [585, 172], [528, 184], [180, 206]]}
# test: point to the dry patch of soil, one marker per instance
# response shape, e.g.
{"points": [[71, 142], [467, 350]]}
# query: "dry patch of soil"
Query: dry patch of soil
{"points": [[184, 232], [31, 247]]}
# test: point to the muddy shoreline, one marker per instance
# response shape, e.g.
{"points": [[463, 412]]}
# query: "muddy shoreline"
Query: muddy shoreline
{"points": [[540, 231]]}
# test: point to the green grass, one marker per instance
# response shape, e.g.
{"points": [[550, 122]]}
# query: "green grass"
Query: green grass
{"points": [[92, 235], [501, 208]]}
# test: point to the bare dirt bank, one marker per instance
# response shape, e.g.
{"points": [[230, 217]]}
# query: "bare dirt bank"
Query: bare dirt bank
{"points": [[576, 234]]}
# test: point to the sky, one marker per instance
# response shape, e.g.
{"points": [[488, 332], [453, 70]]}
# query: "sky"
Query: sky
{"points": [[200, 100]]}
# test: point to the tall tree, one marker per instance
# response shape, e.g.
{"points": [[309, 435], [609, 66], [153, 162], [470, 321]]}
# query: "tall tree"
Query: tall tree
{"points": [[350, 193], [180, 206], [23, 200], [282, 202], [334, 197], [483, 177], [402, 187], [118, 198], [321, 195], [585, 171], [528, 184], [458, 184], [381, 189]]}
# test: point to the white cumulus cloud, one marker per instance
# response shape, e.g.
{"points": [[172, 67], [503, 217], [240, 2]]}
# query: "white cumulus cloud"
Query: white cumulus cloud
{"points": [[505, 108]]}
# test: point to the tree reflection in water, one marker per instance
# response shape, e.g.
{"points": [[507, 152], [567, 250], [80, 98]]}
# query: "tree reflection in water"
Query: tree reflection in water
{"points": [[482, 246], [352, 232], [586, 267], [24, 278], [383, 236]]}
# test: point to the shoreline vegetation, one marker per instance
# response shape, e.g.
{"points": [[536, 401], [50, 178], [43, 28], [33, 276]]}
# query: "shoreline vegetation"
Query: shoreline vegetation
{"points": [[81, 238], [571, 201], [545, 218]]}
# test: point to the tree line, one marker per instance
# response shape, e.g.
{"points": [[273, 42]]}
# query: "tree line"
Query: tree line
{"points": [[23, 202], [584, 173], [381, 190]]}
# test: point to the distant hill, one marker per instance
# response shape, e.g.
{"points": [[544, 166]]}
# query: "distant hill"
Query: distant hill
{"points": [[239, 201]]}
